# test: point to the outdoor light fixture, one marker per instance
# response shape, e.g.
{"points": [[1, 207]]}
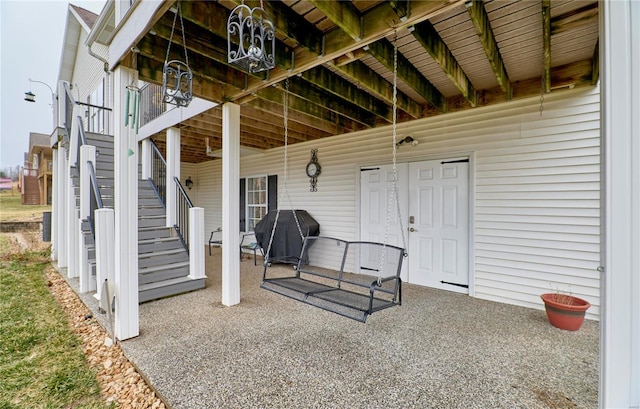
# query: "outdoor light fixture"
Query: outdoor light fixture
{"points": [[189, 183], [31, 97], [408, 140], [251, 39], [177, 78]]}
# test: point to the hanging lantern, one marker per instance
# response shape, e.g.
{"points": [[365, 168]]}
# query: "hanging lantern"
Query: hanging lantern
{"points": [[251, 39], [177, 82], [177, 79]]}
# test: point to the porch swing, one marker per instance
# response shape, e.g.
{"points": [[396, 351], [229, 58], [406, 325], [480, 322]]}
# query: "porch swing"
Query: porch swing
{"points": [[350, 278]]}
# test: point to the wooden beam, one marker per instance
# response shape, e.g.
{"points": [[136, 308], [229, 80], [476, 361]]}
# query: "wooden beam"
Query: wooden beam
{"points": [[577, 73], [546, 40], [248, 125], [370, 80], [402, 8], [150, 70], [481, 22], [200, 42], [155, 47], [349, 57], [296, 118], [341, 88], [308, 92], [574, 19], [309, 108], [378, 22], [316, 95], [343, 14], [382, 50], [427, 35], [271, 121]]}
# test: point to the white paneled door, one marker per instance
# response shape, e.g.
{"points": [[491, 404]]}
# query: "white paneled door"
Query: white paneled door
{"points": [[439, 224], [376, 188], [434, 204]]}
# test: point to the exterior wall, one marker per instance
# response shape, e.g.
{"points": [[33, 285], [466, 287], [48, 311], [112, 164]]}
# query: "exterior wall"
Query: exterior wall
{"points": [[88, 71], [535, 183]]}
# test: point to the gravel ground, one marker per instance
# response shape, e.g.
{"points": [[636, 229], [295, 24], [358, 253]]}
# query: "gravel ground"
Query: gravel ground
{"points": [[437, 350]]}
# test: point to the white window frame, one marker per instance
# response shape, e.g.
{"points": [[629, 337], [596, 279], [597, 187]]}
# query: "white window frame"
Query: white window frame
{"points": [[250, 222]]}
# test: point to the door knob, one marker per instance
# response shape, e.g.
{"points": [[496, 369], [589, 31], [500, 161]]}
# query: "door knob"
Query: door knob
{"points": [[411, 229]]}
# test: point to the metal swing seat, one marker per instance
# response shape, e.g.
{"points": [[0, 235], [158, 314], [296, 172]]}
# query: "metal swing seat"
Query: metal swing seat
{"points": [[350, 278], [344, 277]]}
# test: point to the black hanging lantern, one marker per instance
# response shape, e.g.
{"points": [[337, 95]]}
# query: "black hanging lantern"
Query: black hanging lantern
{"points": [[251, 39], [177, 78], [177, 81]]}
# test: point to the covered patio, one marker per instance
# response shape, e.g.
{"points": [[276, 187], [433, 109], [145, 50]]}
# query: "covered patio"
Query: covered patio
{"points": [[438, 349]]}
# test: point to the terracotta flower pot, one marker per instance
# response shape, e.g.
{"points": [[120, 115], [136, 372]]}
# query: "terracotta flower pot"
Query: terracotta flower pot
{"points": [[565, 311]]}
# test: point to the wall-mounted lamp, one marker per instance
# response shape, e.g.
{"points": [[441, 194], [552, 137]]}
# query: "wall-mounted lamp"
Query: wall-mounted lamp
{"points": [[408, 140], [189, 183]]}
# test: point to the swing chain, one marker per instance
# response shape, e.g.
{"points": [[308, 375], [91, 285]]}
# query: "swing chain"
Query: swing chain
{"points": [[284, 191], [395, 169]]}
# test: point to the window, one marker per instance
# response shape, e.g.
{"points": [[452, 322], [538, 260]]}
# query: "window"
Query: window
{"points": [[258, 196], [256, 200], [96, 115]]}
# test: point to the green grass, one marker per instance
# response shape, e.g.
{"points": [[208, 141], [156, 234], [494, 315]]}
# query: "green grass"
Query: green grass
{"points": [[11, 208], [42, 364]]}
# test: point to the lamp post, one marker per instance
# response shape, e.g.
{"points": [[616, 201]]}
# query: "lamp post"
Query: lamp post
{"points": [[31, 97]]}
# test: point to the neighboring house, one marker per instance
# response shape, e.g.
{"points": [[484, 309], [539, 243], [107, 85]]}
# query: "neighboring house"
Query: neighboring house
{"points": [[517, 175], [36, 178]]}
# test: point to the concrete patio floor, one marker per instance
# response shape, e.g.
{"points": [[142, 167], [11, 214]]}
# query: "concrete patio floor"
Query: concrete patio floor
{"points": [[437, 350]]}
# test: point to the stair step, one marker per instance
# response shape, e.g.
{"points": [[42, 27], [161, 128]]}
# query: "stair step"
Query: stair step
{"points": [[151, 211], [155, 232], [152, 222], [154, 246], [144, 201], [103, 165], [93, 136], [162, 273], [160, 289], [163, 258]]}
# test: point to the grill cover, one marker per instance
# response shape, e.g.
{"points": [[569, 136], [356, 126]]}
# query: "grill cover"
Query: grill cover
{"points": [[287, 245]]}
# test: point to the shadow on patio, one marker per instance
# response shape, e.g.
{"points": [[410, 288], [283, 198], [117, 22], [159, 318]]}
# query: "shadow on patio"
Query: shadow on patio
{"points": [[438, 349]]}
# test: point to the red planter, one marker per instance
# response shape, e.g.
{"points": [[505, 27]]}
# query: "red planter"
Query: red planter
{"points": [[565, 311]]}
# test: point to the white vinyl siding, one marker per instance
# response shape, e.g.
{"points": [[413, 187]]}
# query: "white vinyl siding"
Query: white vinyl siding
{"points": [[535, 189], [88, 73]]}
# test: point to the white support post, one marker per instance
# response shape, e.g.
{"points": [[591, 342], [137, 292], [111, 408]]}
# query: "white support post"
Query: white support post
{"points": [[87, 155], [72, 228], [62, 208], [146, 159], [620, 283], [54, 206], [126, 212], [173, 170], [105, 254], [230, 205], [196, 243], [83, 264]]}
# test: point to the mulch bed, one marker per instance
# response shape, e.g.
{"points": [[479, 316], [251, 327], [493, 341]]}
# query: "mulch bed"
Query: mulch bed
{"points": [[120, 381]]}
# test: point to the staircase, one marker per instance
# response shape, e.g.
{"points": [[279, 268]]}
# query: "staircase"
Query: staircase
{"points": [[163, 261]]}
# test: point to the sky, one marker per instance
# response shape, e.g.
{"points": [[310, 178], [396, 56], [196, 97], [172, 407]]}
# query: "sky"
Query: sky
{"points": [[31, 35]]}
